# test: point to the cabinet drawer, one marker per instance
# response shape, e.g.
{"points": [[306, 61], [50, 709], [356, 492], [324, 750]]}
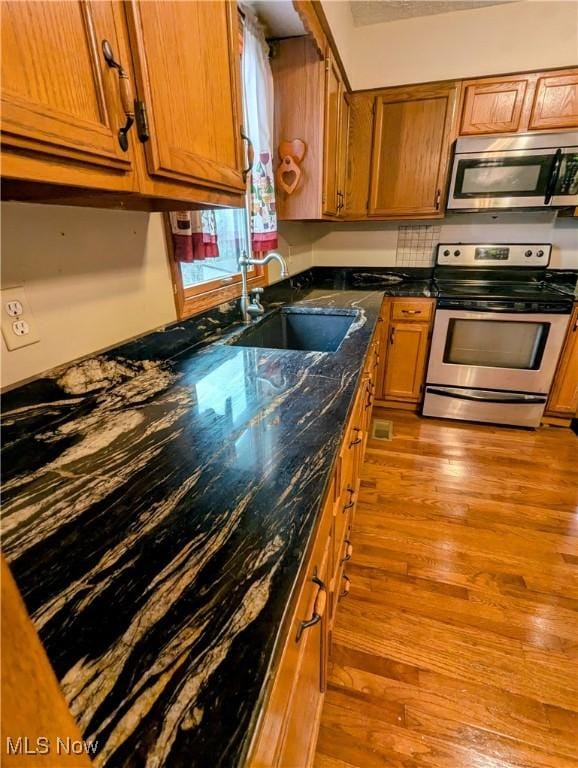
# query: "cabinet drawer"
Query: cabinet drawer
{"points": [[409, 310]]}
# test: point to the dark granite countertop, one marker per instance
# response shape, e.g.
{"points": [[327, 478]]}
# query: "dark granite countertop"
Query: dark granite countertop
{"points": [[158, 502]]}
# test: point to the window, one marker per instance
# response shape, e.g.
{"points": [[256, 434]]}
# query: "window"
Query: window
{"points": [[206, 244], [203, 283], [232, 238]]}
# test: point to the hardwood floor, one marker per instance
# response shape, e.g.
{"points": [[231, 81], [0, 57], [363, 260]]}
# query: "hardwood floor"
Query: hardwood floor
{"points": [[457, 646]]}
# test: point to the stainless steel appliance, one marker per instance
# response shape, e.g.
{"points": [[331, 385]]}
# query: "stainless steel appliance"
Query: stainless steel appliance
{"points": [[523, 171], [497, 335]]}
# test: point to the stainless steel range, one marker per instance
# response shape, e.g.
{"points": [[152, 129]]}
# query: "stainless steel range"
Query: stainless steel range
{"points": [[497, 335]]}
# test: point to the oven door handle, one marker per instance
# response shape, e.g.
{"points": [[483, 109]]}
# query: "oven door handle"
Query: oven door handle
{"points": [[521, 399], [554, 174]]}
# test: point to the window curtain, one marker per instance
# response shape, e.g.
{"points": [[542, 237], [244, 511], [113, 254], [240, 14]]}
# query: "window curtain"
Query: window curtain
{"points": [[194, 235], [258, 101]]}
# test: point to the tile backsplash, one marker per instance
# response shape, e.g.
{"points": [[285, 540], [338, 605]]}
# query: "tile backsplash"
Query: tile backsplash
{"points": [[416, 245]]}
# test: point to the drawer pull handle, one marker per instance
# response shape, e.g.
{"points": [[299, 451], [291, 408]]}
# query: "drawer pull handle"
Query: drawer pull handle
{"points": [[126, 97], [351, 503], [318, 608], [250, 154], [345, 591], [356, 440], [411, 311], [348, 551], [369, 402]]}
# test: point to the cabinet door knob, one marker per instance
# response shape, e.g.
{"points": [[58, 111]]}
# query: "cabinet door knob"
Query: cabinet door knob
{"points": [[126, 97], [438, 199]]}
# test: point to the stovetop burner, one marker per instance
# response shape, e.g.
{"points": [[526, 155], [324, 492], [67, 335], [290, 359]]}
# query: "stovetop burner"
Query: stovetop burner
{"points": [[495, 290], [497, 277]]}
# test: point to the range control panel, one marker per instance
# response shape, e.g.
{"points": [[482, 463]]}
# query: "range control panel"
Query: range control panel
{"points": [[493, 255]]}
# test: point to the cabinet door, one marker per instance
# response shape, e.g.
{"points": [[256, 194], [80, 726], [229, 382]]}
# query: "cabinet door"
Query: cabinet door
{"points": [[492, 106], [60, 99], [187, 67], [382, 340], [564, 395], [406, 360], [411, 140], [304, 713], [555, 103], [333, 96], [343, 152]]}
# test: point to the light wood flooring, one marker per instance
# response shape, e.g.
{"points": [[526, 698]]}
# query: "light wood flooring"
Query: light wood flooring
{"points": [[457, 646]]}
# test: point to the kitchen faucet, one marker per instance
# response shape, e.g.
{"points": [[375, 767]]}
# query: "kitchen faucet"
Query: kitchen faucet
{"points": [[251, 306]]}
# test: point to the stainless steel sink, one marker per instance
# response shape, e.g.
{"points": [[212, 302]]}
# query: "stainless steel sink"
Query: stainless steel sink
{"points": [[309, 330]]}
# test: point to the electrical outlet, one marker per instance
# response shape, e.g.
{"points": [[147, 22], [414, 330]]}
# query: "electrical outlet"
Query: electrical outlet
{"points": [[18, 326]]}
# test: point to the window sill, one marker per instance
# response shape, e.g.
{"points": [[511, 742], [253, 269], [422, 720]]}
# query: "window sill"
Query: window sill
{"points": [[187, 306]]}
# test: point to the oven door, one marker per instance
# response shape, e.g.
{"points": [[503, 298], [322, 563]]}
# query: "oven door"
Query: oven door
{"points": [[496, 351], [515, 179]]}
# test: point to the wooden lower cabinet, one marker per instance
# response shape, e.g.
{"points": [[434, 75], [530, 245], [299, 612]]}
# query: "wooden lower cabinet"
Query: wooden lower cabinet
{"points": [[286, 735], [405, 346], [304, 711], [33, 702], [563, 400]]}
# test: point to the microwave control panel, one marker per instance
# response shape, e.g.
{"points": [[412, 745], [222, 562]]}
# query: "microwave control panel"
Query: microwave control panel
{"points": [[494, 255]]}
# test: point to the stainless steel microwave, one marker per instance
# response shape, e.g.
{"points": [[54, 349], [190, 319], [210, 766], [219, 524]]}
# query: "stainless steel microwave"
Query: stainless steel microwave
{"points": [[523, 171]]}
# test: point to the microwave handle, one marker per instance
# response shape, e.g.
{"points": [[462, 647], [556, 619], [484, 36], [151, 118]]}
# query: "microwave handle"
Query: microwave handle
{"points": [[554, 173]]}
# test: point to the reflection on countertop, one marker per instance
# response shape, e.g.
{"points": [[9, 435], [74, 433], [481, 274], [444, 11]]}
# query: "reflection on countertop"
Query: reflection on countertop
{"points": [[159, 500]]}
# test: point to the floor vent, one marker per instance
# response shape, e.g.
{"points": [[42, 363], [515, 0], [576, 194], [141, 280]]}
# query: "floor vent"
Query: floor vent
{"points": [[382, 429]]}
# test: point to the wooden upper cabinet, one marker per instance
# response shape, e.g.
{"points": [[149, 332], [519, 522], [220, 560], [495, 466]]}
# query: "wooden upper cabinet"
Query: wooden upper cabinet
{"points": [[413, 130], [492, 106], [536, 101], [343, 153], [60, 99], [563, 399], [186, 61], [331, 171], [555, 102], [311, 104]]}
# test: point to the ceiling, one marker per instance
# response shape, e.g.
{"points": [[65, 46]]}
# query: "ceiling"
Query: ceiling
{"points": [[366, 12], [279, 17]]}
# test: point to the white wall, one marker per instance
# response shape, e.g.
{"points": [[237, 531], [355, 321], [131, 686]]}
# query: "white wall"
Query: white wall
{"points": [[93, 278], [514, 37], [295, 244], [374, 243]]}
